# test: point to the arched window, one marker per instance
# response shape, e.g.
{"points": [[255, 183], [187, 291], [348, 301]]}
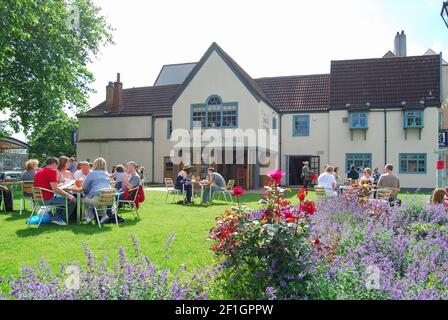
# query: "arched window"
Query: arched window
{"points": [[215, 113]]}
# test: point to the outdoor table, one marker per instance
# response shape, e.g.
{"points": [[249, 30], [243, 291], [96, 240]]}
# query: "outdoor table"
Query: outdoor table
{"points": [[78, 191], [202, 189], [11, 185]]}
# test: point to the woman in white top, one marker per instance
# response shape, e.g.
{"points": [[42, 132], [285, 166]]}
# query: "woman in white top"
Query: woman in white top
{"points": [[367, 177], [327, 181]]}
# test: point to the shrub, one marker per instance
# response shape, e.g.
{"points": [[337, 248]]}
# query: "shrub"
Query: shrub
{"points": [[264, 253]]}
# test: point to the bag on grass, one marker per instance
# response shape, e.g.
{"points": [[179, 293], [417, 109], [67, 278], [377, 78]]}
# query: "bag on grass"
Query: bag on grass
{"points": [[46, 219]]}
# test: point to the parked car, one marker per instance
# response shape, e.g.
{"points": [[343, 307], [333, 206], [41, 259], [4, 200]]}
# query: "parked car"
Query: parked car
{"points": [[10, 175]]}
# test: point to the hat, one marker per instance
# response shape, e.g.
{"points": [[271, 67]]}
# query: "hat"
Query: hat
{"points": [[187, 166], [306, 162]]}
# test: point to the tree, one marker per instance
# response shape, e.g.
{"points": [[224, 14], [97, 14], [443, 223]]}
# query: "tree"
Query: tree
{"points": [[45, 46], [54, 139]]}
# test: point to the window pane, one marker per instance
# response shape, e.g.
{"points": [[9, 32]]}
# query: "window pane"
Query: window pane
{"points": [[301, 125]]}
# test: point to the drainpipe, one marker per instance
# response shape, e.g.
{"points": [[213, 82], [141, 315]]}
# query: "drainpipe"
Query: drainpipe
{"points": [[280, 158], [153, 122], [385, 137]]}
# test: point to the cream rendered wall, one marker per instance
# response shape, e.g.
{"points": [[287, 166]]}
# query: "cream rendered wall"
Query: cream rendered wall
{"points": [[314, 145], [162, 147], [444, 110], [341, 144], [216, 78], [118, 152], [115, 127]]}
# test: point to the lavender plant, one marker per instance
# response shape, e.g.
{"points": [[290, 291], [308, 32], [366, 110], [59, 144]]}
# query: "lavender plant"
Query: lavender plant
{"points": [[130, 278]]}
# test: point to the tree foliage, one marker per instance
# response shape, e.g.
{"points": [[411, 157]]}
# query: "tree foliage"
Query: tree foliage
{"points": [[54, 139], [45, 47]]}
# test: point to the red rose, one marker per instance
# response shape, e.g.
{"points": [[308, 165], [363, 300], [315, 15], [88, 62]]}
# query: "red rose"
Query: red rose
{"points": [[238, 192], [309, 207], [276, 175], [302, 194]]}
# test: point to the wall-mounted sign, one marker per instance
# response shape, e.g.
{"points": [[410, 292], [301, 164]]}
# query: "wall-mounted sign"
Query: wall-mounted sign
{"points": [[443, 139]]}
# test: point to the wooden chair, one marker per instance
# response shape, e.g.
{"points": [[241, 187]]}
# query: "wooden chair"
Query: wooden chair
{"points": [[27, 193], [2, 199], [40, 204], [170, 189], [106, 199], [227, 191], [131, 202]]}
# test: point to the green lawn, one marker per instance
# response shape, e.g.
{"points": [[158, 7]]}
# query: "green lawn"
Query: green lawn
{"points": [[21, 244]]}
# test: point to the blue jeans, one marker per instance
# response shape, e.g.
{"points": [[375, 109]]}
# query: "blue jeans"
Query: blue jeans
{"points": [[60, 212], [209, 196]]}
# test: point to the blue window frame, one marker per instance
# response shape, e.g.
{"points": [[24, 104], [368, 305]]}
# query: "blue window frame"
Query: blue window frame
{"points": [[214, 114], [413, 119], [274, 123], [359, 160], [359, 120], [301, 126], [169, 128], [413, 163]]}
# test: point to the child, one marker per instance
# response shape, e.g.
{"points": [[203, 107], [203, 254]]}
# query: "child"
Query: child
{"points": [[118, 176]]}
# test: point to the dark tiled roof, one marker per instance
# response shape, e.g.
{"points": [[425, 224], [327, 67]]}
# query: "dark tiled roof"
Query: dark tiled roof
{"points": [[141, 101], [385, 82], [309, 93]]}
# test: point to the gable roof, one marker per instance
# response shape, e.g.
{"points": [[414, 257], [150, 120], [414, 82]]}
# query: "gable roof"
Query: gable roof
{"points": [[310, 93], [385, 82], [174, 74], [139, 102], [244, 77]]}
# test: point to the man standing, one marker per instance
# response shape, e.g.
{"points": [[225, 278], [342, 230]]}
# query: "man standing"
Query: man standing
{"points": [[47, 178], [216, 183], [306, 174], [376, 175]]}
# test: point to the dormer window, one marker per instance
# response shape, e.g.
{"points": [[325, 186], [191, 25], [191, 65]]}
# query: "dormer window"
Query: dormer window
{"points": [[413, 119], [359, 120]]}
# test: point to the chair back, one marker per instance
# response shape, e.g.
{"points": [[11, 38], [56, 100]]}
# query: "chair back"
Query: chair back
{"points": [[230, 185], [347, 182], [384, 194], [351, 192], [106, 198], [169, 183], [320, 192], [27, 187], [38, 196], [394, 192]]}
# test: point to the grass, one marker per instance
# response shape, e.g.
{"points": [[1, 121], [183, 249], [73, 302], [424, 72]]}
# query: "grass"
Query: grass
{"points": [[23, 245]]}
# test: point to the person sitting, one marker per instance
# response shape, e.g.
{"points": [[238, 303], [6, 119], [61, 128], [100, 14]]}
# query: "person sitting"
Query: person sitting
{"points": [[47, 178], [118, 176], [390, 181], [141, 173], [183, 183], [31, 167], [6, 196], [353, 174], [367, 177], [215, 183], [376, 175], [64, 175], [83, 172], [73, 165], [131, 180], [327, 181], [438, 197], [97, 180]]}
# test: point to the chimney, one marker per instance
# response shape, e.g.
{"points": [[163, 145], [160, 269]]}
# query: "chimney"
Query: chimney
{"points": [[400, 44], [117, 95], [109, 94]]}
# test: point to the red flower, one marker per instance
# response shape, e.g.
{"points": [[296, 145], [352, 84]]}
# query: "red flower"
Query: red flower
{"points": [[238, 192], [309, 207], [316, 242], [302, 194], [276, 175]]}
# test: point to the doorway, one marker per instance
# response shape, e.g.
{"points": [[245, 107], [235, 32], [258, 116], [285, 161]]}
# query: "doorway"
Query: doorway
{"points": [[295, 168]]}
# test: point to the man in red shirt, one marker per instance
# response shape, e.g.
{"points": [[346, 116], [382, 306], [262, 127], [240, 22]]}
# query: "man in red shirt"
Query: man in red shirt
{"points": [[47, 178]]}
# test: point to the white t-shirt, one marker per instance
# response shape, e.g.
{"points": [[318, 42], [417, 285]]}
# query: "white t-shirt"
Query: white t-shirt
{"points": [[326, 180], [80, 176]]}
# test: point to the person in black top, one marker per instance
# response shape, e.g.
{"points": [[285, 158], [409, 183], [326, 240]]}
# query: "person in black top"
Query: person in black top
{"points": [[353, 174]]}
